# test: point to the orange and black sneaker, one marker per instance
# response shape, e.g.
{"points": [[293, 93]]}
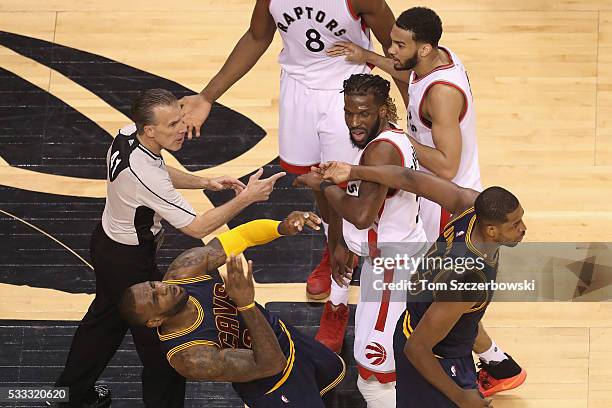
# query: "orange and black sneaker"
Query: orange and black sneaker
{"points": [[333, 326], [318, 284], [498, 376]]}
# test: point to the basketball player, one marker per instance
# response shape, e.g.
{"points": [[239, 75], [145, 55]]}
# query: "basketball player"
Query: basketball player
{"points": [[441, 113], [373, 215], [141, 191], [442, 129], [212, 330], [433, 340], [311, 125]]}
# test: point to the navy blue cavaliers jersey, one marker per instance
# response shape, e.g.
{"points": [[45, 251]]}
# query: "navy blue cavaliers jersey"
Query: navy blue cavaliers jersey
{"points": [[219, 324], [459, 271]]}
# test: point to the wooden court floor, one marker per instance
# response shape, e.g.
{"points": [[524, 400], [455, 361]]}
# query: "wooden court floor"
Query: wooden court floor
{"points": [[541, 73]]}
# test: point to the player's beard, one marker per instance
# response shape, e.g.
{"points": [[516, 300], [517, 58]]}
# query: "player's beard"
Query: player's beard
{"points": [[372, 133], [409, 64], [182, 300]]}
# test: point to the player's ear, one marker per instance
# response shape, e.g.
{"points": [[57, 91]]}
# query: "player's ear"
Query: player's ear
{"points": [[425, 50], [383, 111], [154, 322], [492, 231]]}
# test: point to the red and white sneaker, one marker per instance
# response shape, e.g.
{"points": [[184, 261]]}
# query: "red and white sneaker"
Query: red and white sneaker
{"points": [[318, 284], [498, 376], [333, 326]]}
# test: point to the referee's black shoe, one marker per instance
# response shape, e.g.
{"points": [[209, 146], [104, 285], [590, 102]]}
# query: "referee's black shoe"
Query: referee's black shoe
{"points": [[98, 397]]}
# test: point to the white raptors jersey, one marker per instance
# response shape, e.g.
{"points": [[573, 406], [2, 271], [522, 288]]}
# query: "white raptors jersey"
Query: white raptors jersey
{"points": [[397, 220], [308, 28], [455, 75]]}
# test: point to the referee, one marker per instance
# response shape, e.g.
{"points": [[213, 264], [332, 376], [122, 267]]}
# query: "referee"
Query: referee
{"points": [[141, 191]]}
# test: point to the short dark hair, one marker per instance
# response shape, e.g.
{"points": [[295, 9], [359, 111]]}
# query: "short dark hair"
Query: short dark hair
{"points": [[142, 108], [424, 24], [494, 204], [368, 84], [127, 309]]}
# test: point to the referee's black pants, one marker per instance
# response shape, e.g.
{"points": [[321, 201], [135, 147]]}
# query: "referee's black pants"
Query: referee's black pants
{"points": [[101, 331]]}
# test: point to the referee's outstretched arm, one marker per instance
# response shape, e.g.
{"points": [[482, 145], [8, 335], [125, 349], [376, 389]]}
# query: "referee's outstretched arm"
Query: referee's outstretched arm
{"points": [[183, 180], [256, 190]]}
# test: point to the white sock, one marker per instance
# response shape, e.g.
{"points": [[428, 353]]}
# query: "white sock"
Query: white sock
{"points": [[338, 294], [375, 394], [494, 353], [325, 228]]}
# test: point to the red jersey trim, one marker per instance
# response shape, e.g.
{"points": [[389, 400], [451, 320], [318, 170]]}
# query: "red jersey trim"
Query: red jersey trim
{"points": [[294, 169], [439, 68], [426, 122], [445, 217], [351, 11], [382, 378]]}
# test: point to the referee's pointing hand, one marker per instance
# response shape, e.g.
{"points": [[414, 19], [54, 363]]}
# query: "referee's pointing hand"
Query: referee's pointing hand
{"points": [[259, 189]]}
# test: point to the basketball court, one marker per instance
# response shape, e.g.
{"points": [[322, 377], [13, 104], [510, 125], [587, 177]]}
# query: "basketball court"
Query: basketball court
{"points": [[541, 74]]}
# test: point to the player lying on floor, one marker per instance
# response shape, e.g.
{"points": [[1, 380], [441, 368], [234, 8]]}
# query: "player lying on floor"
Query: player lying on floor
{"points": [[212, 330]]}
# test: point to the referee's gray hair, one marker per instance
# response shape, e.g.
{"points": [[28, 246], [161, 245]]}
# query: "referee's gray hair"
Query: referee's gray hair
{"points": [[145, 102]]}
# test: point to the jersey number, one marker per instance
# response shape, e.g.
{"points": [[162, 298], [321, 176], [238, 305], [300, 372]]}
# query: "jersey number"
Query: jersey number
{"points": [[412, 127], [313, 41]]}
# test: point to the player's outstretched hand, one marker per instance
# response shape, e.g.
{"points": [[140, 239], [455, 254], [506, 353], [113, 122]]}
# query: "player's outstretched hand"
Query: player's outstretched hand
{"points": [[294, 223], [240, 287], [259, 189], [351, 52], [473, 399], [336, 172], [339, 262], [225, 183], [310, 180], [196, 109]]}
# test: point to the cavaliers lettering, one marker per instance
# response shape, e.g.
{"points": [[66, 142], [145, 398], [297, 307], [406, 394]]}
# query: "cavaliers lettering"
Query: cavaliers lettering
{"points": [[226, 320]]}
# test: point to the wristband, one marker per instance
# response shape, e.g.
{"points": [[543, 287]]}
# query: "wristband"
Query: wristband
{"points": [[247, 307]]}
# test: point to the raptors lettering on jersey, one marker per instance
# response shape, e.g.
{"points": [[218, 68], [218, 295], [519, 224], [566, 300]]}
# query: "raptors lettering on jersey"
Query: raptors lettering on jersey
{"points": [[308, 28], [308, 12]]}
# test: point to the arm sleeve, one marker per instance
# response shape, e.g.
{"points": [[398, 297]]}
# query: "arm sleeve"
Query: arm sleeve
{"points": [[257, 232]]}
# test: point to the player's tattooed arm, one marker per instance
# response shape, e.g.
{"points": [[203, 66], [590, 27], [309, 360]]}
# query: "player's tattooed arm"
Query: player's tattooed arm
{"points": [[201, 260], [197, 261], [208, 363]]}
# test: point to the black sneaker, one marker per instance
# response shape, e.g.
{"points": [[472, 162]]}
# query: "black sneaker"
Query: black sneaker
{"points": [[498, 376], [98, 397]]}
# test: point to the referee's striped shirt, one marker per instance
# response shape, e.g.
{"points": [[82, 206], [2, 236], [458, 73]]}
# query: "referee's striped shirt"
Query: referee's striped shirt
{"points": [[139, 192]]}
